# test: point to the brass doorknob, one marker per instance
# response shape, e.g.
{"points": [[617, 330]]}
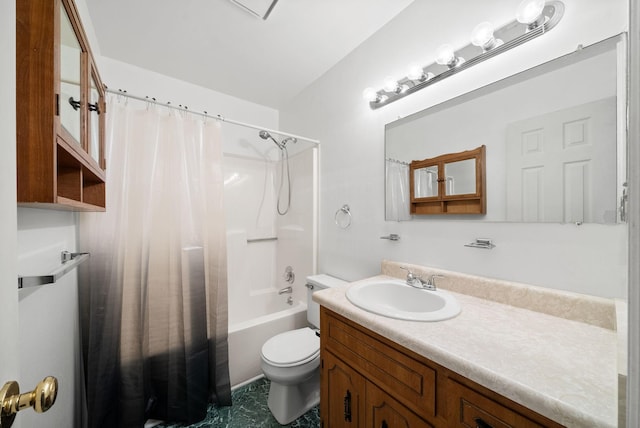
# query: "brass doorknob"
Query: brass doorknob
{"points": [[41, 399]]}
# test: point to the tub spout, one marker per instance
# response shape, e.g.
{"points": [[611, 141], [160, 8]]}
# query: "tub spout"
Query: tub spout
{"points": [[285, 290]]}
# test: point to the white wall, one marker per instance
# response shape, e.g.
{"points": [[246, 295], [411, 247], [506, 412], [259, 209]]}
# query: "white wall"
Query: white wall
{"points": [[589, 259], [49, 321]]}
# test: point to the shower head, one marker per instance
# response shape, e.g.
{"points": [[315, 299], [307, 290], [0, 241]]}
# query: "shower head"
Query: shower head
{"points": [[265, 135]]}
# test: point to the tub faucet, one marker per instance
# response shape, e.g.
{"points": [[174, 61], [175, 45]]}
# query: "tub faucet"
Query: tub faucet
{"points": [[285, 290]]}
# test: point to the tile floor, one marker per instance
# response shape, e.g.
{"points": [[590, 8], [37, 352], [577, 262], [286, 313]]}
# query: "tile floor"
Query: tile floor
{"points": [[249, 410]]}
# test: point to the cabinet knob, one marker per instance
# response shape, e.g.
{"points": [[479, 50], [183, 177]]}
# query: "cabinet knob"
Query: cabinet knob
{"points": [[94, 107], [75, 104], [41, 399]]}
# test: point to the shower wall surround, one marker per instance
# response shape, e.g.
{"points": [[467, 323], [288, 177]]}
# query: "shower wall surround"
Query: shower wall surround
{"points": [[589, 259], [260, 246]]}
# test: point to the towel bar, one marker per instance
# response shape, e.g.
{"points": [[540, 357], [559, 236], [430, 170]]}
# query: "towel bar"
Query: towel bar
{"points": [[69, 262]]}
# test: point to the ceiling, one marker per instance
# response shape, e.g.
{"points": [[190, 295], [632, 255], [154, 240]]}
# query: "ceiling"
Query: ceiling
{"points": [[218, 45]]}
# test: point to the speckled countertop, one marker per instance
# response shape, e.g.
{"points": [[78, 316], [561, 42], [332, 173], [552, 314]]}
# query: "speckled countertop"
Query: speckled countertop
{"points": [[561, 368]]}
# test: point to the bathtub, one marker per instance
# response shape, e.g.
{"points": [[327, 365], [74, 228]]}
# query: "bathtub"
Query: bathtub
{"points": [[247, 337]]}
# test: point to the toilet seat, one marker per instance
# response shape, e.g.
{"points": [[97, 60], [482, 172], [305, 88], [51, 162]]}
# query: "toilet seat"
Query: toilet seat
{"points": [[292, 348]]}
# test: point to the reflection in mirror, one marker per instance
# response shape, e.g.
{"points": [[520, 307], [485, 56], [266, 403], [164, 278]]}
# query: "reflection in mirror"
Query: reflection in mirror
{"points": [[425, 182], [70, 53], [460, 177], [555, 136]]}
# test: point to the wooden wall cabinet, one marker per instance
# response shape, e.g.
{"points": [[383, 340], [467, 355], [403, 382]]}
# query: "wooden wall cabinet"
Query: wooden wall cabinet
{"points": [[370, 381], [449, 184], [60, 110]]}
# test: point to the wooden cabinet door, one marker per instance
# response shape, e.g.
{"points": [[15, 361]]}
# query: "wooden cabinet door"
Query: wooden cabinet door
{"points": [[383, 411], [342, 394]]}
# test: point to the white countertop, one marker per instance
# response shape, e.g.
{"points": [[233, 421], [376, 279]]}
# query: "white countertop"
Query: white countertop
{"points": [[563, 369]]}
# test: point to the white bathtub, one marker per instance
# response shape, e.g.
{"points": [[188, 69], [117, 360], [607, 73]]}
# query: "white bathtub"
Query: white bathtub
{"points": [[247, 337]]}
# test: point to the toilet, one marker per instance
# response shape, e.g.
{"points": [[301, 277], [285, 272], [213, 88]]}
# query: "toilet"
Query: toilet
{"points": [[291, 361]]}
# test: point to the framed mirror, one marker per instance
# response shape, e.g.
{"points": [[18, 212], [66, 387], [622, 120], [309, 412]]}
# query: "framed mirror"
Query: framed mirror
{"points": [[555, 139]]}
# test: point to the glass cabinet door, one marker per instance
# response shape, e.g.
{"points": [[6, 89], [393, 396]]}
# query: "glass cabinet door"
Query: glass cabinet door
{"points": [[70, 72], [425, 182], [94, 120], [460, 177]]}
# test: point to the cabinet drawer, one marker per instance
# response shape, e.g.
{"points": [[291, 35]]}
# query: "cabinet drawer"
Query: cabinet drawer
{"points": [[411, 381], [474, 410]]}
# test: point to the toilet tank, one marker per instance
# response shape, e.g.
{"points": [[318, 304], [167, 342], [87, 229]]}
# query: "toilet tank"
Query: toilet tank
{"points": [[315, 283]]}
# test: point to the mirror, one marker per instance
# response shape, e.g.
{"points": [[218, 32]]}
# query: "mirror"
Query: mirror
{"points": [[425, 182], [70, 68], [555, 138], [460, 177], [94, 120]]}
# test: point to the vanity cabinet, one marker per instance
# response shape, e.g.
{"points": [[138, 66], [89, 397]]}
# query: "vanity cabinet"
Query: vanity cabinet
{"points": [[60, 110], [370, 381], [453, 183]]}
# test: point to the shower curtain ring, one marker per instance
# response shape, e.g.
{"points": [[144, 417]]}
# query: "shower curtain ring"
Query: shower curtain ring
{"points": [[347, 215]]}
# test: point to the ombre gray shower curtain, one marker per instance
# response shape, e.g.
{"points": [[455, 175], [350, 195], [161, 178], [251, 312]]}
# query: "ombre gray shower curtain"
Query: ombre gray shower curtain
{"points": [[153, 297]]}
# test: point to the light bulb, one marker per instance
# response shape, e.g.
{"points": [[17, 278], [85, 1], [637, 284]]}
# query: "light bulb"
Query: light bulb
{"points": [[482, 35], [370, 95], [529, 11], [415, 72], [445, 55], [390, 84]]}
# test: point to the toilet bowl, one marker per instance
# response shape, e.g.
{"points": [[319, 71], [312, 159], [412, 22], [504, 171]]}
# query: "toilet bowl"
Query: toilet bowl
{"points": [[291, 361]]}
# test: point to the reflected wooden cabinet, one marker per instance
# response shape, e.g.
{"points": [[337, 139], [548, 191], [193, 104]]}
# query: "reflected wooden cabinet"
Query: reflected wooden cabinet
{"points": [[454, 183], [60, 110]]}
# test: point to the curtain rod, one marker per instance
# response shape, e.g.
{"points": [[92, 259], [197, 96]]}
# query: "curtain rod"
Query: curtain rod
{"points": [[205, 114]]}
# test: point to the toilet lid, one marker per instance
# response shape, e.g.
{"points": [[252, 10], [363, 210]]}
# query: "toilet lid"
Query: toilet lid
{"points": [[292, 347]]}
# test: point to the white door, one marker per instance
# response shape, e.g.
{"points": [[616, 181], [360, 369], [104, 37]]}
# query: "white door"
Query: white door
{"points": [[561, 166], [9, 366]]}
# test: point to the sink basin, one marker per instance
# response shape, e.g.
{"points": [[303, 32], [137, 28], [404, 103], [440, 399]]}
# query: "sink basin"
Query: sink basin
{"points": [[396, 299]]}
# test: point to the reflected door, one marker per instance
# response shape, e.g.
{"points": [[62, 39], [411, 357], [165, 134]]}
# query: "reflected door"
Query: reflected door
{"points": [[551, 161]]}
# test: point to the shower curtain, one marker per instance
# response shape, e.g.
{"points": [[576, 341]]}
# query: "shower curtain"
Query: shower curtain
{"points": [[397, 191], [154, 293]]}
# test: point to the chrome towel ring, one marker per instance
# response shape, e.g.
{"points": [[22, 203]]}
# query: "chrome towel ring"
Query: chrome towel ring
{"points": [[343, 217]]}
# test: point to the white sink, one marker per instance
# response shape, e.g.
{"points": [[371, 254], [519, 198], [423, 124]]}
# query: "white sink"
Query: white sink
{"points": [[396, 299]]}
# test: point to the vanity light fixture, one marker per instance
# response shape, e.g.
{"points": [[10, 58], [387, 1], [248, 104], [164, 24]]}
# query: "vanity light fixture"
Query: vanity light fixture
{"points": [[533, 18]]}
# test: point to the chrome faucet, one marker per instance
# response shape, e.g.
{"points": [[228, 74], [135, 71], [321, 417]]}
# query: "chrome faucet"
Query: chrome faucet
{"points": [[285, 290], [417, 281]]}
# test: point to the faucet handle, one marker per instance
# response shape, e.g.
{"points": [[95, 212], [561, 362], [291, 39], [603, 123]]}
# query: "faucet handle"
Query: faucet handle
{"points": [[409, 273], [432, 279]]}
